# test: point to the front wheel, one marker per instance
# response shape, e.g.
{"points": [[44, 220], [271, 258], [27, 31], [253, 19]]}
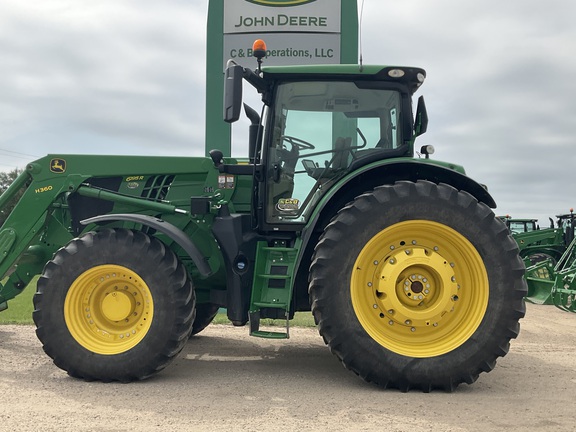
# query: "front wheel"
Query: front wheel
{"points": [[116, 305], [205, 314], [417, 285]]}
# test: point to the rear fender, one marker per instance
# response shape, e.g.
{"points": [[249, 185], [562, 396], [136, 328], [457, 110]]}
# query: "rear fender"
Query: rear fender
{"points": [[370, 176]]}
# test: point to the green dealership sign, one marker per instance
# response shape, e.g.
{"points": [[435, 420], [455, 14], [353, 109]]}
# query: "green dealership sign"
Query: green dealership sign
{"points": [[296, 32], [280, 3]]}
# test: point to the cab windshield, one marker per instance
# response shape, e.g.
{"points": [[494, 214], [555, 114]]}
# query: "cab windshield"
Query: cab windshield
{"points": [[319, 130]]}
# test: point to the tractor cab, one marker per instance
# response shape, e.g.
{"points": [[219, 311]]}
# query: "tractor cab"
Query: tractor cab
{"points": [[321, 123]]}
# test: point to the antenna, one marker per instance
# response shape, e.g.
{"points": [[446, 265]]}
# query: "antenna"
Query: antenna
{"points": [[360, 34]]}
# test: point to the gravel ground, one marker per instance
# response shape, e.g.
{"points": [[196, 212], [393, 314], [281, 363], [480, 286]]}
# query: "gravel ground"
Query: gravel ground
{"points": [[225, 380]]}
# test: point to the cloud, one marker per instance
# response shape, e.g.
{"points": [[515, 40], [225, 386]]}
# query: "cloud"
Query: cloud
{"points": [[499, 90], [128, 77], [123, 77]]}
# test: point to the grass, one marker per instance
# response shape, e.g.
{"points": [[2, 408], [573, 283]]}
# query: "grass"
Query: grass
{"points": [[20, 308], [301, 319], [20, 312]]}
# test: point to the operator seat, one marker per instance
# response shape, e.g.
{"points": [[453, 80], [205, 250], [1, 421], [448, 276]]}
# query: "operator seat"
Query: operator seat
{"points": [[338, 163]]}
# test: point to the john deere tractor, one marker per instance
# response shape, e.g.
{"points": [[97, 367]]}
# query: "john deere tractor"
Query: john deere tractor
{"points": [[551, 280], [411, 278], [537, 244]]}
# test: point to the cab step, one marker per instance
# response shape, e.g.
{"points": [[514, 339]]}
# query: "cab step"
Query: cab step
{"points": [[272, 288]]}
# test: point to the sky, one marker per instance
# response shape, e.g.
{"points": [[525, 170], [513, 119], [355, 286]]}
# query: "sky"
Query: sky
{"points": [[128, 77]]}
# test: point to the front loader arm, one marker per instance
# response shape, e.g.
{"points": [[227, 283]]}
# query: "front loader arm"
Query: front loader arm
{"points": [[33, 221]]}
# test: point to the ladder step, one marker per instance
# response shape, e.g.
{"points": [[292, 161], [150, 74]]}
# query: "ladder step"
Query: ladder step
{"points": [[277, 249], [270, 276], [255, 328], [276, 305], [270, 334]]}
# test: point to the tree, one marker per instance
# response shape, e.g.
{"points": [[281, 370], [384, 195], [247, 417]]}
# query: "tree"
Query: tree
{"points": [[6, 179]]}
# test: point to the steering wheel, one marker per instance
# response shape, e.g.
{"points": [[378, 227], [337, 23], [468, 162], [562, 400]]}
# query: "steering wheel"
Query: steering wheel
{"points": [[298, 143]]}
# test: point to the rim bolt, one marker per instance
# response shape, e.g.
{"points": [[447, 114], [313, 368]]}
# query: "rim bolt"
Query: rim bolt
{"points": [[436, 248], [453, 279], [392, 261], [369, 284], [392, 247], [407, 251], [391, 322], [407, 322], [376, 262], [375, 306], [412, 329], [413, 242]]}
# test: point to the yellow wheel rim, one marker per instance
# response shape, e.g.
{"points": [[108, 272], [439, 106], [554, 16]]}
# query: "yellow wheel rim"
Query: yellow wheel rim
{"points": [[419, 288], [108, 309]]}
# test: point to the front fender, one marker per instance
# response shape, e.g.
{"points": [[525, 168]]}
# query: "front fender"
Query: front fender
{"points": [[164, 227]]}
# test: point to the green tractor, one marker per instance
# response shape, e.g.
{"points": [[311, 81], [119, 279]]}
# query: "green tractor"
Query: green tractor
{"points": [[537, 244], [553, 281], [518, 226], [554, 284], [413, 282]]}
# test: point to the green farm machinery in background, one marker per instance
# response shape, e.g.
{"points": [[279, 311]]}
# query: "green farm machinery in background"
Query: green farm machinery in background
{"points": [[411, 278], [540, 244], [552, 281]]}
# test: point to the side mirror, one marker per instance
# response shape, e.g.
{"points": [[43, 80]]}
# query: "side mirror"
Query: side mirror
{"points": [[421, 123], [233, 93]]}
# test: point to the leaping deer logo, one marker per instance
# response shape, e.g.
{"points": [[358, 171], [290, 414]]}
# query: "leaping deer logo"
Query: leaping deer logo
{"points": [[58, 165]]}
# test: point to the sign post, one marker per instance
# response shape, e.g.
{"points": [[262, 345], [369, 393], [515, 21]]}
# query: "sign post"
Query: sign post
{"points": [[296, 32]]}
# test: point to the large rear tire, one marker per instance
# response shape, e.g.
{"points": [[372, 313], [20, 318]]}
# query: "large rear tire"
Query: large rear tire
{"points": [[417, 285], [114, 305]]}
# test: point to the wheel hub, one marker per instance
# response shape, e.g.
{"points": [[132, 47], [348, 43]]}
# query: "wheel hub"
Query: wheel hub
{"points": [[415, 287], [117, 306]]}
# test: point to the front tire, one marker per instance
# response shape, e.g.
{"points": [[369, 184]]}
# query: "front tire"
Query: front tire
{"points": [[417, 285], [114, 305]]}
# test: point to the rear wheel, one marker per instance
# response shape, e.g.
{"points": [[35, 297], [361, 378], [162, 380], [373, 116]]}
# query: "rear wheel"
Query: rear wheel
{"points": [[417, 285], [116, 305]]}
